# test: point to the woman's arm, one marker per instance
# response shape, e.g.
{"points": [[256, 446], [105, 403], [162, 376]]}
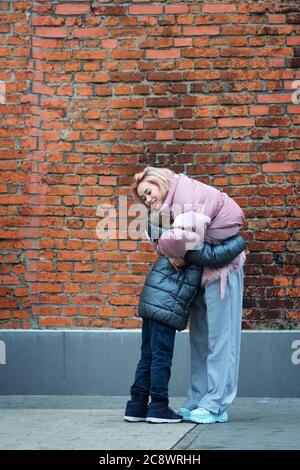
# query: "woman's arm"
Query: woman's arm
{"points": [[216, 256], [187, 233], [213, 256]]}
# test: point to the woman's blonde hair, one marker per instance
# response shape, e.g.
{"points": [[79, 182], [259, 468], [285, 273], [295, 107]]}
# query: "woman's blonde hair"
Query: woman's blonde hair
{"points": [[162, 177]]}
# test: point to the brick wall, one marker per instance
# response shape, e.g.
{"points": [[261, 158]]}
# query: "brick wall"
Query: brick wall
{"points": [[97, 90]]}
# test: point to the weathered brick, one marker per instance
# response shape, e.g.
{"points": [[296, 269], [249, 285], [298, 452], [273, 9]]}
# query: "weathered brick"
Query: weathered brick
{"points": [[293, 18]]}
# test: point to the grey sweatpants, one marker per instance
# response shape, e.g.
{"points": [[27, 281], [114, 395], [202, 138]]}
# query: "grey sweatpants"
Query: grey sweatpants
{"points": [[215, 335]]}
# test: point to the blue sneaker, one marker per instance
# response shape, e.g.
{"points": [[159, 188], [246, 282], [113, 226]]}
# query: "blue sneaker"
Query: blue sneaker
{"points": [[135, 411], [160, 413], [185, 413], [203, 416]]}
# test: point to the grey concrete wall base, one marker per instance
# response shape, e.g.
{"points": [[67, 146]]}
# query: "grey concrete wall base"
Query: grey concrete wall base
{"points": [[102, 362]]}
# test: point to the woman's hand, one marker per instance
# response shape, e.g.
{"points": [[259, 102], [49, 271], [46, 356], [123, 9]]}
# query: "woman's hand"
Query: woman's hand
{"points": [[177, 262]]}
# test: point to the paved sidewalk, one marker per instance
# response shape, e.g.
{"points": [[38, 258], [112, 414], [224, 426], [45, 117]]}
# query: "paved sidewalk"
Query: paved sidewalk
{"points": [[96, 423]]}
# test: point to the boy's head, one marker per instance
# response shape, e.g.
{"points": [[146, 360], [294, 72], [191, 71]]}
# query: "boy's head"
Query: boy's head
{"points": [[154, 231]]}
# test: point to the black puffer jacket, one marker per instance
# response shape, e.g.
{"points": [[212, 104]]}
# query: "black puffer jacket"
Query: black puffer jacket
{"points": [[168, 294]]}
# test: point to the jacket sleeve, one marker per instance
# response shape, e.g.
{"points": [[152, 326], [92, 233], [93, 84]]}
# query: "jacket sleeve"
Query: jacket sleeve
{"points": [[175, 242], [216, 256]]}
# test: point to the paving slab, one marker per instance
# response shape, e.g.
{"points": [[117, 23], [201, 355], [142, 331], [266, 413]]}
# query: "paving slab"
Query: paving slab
{"points": [[255, 424], [85, 423]]}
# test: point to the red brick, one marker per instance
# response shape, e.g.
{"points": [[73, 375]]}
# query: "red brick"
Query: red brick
{"points": [[91, 323], [128, 323], [55, 322], [166, 113], [128, 245], [259, 110], [174, 9], [109, 43], [89, 32], [276, 18], [47, 21], [163, 54], [278, 167], [219, 8], [52, 32], [181, 42], [72, 9], [274, 98], [201, 30], [145, 10], [82, 54], [164, 135], [123, 300], [277, 62], [294, 109], [108, 180], [69, 311], [127, 103], [236, 122], [293, 41], [110, 10], [92, 77]]}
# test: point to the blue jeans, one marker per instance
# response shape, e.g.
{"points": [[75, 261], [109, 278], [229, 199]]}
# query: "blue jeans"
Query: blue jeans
{"points": [[154, 368]]}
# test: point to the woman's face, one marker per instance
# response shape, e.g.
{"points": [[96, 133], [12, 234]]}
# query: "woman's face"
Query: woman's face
{"points": [[150, 194]]}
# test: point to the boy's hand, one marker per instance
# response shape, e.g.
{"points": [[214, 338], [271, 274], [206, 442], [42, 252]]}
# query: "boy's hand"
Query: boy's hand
{"points": [[177, 262], [155, 245]]}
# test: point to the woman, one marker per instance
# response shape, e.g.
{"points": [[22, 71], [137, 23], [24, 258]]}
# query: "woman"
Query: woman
{"points": [[215, 324]]}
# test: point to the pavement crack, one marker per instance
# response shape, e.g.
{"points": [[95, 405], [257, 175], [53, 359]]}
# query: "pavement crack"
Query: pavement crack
{"points": [[189, 437]]}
